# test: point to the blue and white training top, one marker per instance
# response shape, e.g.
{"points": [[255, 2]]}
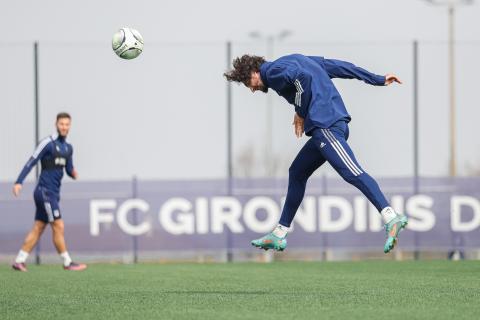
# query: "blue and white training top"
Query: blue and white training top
{"points": [[55, 155], [305, 82]]}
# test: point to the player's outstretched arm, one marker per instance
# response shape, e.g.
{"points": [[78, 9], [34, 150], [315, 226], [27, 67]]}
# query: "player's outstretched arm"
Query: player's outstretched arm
{"points": [[346, 70]]}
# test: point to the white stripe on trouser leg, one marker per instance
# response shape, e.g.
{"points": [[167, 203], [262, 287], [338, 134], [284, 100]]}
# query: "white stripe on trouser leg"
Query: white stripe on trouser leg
{"points": [[345, 153], [48, 208], [339, 153], [342, 157]]}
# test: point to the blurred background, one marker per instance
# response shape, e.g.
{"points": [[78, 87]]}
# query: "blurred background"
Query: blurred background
{"points": [[207, 161]]}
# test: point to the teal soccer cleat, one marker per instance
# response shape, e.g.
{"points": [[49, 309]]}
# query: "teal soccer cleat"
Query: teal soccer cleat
{"points": [[393, 228], [270, 241]]}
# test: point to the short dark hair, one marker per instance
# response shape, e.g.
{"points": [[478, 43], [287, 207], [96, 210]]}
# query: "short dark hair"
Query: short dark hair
{"points": [[63, 115], [243, 68]]}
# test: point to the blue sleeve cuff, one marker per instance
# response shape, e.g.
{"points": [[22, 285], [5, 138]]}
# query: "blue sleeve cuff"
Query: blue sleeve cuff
{"points": [[380, 80]]}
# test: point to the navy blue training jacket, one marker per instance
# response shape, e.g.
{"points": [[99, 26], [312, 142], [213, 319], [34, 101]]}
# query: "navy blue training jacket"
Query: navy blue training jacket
{"points": [[55, 155], [305, 82]]}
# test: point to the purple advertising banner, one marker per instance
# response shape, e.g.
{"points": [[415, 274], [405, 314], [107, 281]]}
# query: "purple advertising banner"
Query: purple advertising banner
{"points": [[201, 215]]}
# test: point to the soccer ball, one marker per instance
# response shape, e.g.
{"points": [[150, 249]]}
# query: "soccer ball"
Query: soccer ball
{"points": [[127, 43]]}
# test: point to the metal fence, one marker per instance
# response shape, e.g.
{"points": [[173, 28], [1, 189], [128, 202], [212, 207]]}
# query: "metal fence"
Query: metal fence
{"points": [[164, 115]]}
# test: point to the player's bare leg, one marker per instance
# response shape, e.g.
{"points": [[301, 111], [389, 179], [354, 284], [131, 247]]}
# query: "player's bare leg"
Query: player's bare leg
{"points": [[30, 241], [32, 237], [58, 235]]}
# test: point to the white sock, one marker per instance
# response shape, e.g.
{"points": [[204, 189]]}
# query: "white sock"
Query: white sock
{"points": [[280, 231], [388, 214], [21, 257], [66, 258]]}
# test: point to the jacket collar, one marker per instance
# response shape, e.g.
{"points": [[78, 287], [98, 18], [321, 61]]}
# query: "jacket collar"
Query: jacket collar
{"points": [[263, 72], [58, 137]]}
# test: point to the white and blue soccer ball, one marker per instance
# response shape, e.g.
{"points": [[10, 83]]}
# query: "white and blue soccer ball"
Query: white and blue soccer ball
{"points": [[127, 43]]}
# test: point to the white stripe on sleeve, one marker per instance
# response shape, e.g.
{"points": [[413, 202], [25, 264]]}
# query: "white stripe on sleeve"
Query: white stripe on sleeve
{"points": [[42, 145], [298, 95]]}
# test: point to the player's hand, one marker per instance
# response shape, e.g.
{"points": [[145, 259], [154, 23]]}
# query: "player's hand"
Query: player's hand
{"points": [[390, 78], [298, 125], [74, 174], [17, 187]]}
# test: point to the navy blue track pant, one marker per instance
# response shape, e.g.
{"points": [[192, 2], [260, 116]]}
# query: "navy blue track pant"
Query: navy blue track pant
{"points": [[328, 145]]}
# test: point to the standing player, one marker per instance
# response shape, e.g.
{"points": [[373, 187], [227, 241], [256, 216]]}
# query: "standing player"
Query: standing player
{"points": [[55, 155], [305, 82]]}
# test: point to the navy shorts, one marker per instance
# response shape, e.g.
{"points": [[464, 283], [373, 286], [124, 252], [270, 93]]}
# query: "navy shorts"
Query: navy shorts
{"points": [[46, 203]]}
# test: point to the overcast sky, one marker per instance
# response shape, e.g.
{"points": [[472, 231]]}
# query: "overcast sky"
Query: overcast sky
{"points": [[162, 115]]}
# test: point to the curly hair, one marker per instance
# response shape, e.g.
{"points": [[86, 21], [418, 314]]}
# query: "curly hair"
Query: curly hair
{"points": [[243, 68]]}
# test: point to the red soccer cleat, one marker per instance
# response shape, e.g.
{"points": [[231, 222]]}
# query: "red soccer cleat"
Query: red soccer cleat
{"points": [[75, 267], [20, 267]]}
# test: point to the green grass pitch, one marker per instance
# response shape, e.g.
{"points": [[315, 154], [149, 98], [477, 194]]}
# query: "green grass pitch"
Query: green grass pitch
{"points": [[281, 290]]}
